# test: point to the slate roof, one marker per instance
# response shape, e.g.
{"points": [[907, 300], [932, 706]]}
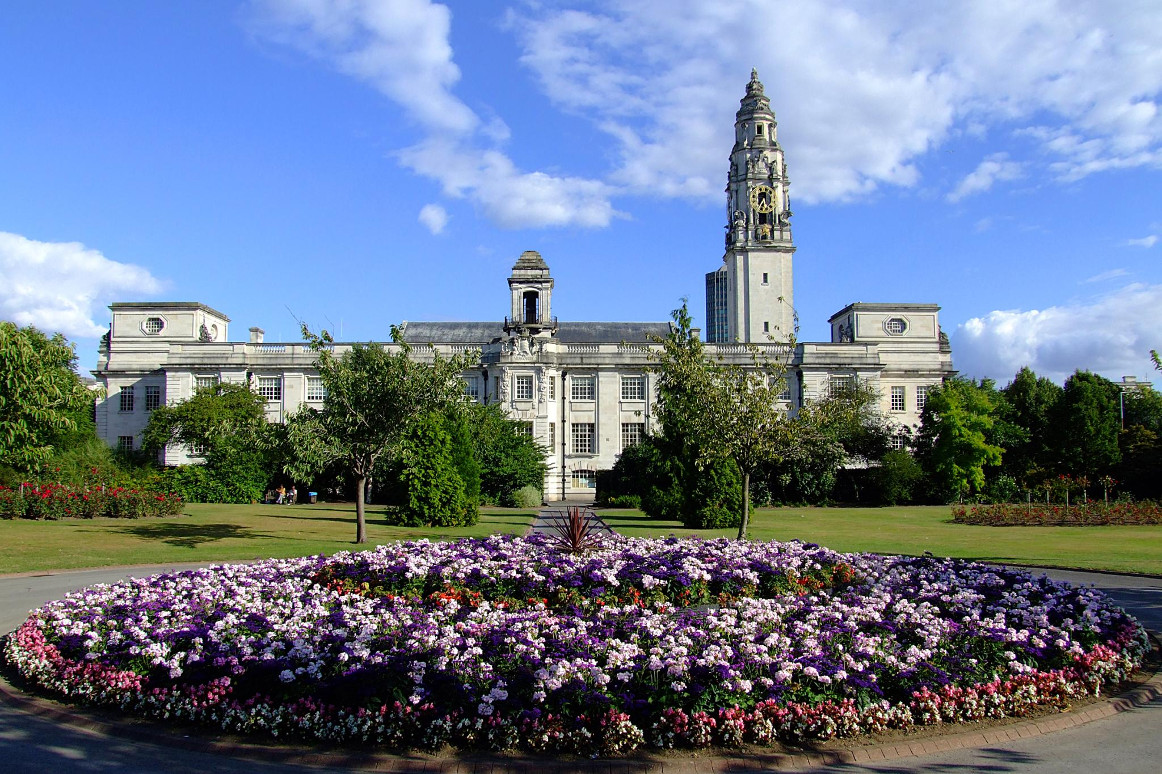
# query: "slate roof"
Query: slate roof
{"points": [[568, 332]]}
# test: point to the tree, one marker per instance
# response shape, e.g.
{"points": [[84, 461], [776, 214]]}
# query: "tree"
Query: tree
{"points": [[953, 445], [225, 424], [726, 410], [1029, 405], [40, 394], [373, 399], [1085, 426], [507, 458], [435, 489]]}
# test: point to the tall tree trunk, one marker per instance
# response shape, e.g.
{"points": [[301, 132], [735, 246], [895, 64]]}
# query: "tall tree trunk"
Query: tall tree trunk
{"points": [[360, 521], [745, 505]]}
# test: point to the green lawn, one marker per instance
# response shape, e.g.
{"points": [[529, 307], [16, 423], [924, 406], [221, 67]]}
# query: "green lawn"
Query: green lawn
{"points": [[915, 529], [210, 533]]}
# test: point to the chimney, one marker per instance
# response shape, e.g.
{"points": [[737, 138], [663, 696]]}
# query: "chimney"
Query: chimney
{"points": [[256, 335]]}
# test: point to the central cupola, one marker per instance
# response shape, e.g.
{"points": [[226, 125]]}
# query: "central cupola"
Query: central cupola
{"points": [[531, 290]]}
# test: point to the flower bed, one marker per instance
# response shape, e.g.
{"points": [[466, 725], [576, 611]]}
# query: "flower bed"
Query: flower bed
{"points": [[59, 501], [505, 642], [1041, 515]]}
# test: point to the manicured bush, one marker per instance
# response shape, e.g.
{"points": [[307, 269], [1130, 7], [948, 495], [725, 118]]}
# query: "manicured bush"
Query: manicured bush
{"points": [[50, 502], [435, 490], [527, 497], [624, 501], [1042, 515]]}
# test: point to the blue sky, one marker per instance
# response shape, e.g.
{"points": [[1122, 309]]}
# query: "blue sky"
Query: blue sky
{"points": [[355, 163]]}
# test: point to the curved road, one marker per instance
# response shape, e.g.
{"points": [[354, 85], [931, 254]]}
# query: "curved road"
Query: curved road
{"points": [[1128, 743]]}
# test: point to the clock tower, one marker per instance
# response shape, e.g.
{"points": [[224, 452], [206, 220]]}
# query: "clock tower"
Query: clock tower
{"points": [[749, 299]]}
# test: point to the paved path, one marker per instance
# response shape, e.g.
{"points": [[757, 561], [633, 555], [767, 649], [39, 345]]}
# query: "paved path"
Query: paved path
{"points": [[1127, 743]]}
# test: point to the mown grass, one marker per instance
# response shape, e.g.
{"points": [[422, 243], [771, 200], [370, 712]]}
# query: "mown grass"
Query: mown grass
{"points": [[913, 530], [210, 533]]}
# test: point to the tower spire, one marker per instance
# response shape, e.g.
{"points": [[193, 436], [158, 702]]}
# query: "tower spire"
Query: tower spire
{"points": [[758, 230]]}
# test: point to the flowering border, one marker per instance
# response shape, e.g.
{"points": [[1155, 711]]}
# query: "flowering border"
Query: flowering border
{"points": [[45, 651]]}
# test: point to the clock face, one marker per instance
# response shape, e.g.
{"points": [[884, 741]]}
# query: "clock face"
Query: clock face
{"points": [[762, 198]]}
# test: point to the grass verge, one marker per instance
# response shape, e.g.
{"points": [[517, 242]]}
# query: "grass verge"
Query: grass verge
{"points": [[211, 533], [912, 530]]}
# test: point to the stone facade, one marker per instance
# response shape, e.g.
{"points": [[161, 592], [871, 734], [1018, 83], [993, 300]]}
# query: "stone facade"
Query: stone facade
{"points": [[583, 389]]}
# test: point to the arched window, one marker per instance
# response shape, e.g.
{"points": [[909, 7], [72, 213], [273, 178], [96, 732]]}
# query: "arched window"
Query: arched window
{"points": [[532, 300]]}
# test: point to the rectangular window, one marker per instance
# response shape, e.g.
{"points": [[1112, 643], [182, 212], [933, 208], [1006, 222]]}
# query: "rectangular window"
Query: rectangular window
{"points": [[766, 327], [152, 397], [584, 479], [633, 388], [552, 387], [125, 443], [201, 382], [472, 387], [584, 388], [525, 429], [898, 399], [523, 387], [127, 399], [841, 385], [631, 433], [921, 397], [315, 390], [270, 387], [899, 442], [552, 436], [764, 278], [583, 438]]}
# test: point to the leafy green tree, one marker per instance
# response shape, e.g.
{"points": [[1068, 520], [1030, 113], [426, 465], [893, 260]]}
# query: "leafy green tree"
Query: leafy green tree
{"points": [[41, 395], [953, 445], [436, 492], [1085, 426], [507, 458], [897, 477], [722, 410], [373, 399], [226, 425], [1029, 406]]}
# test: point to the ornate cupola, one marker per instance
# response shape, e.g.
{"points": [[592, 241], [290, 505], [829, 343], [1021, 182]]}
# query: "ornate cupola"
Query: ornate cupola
{"points": [[758, 190], [531, 289]]}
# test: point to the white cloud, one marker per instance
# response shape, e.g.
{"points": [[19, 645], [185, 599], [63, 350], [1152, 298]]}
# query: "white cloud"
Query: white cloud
{"points": [[995, 167], [862, 90], [1111, 335], [1147, 241], [510, 198], [402, 48], [434, 217], [57, 286], [1108, 275]]}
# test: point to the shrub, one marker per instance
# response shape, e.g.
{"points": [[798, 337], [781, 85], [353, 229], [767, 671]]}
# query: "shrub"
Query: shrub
{"points": [[526, 497], [435, 490], [1041, 515], [49, 502], [624, 501]]}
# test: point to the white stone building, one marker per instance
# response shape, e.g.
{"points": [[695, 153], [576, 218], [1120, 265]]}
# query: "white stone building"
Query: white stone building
{"points": [[583, 389]]}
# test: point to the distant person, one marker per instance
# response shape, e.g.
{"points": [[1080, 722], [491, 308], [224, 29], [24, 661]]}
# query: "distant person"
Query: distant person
{"points": [[281, 495], [294, 494]]}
